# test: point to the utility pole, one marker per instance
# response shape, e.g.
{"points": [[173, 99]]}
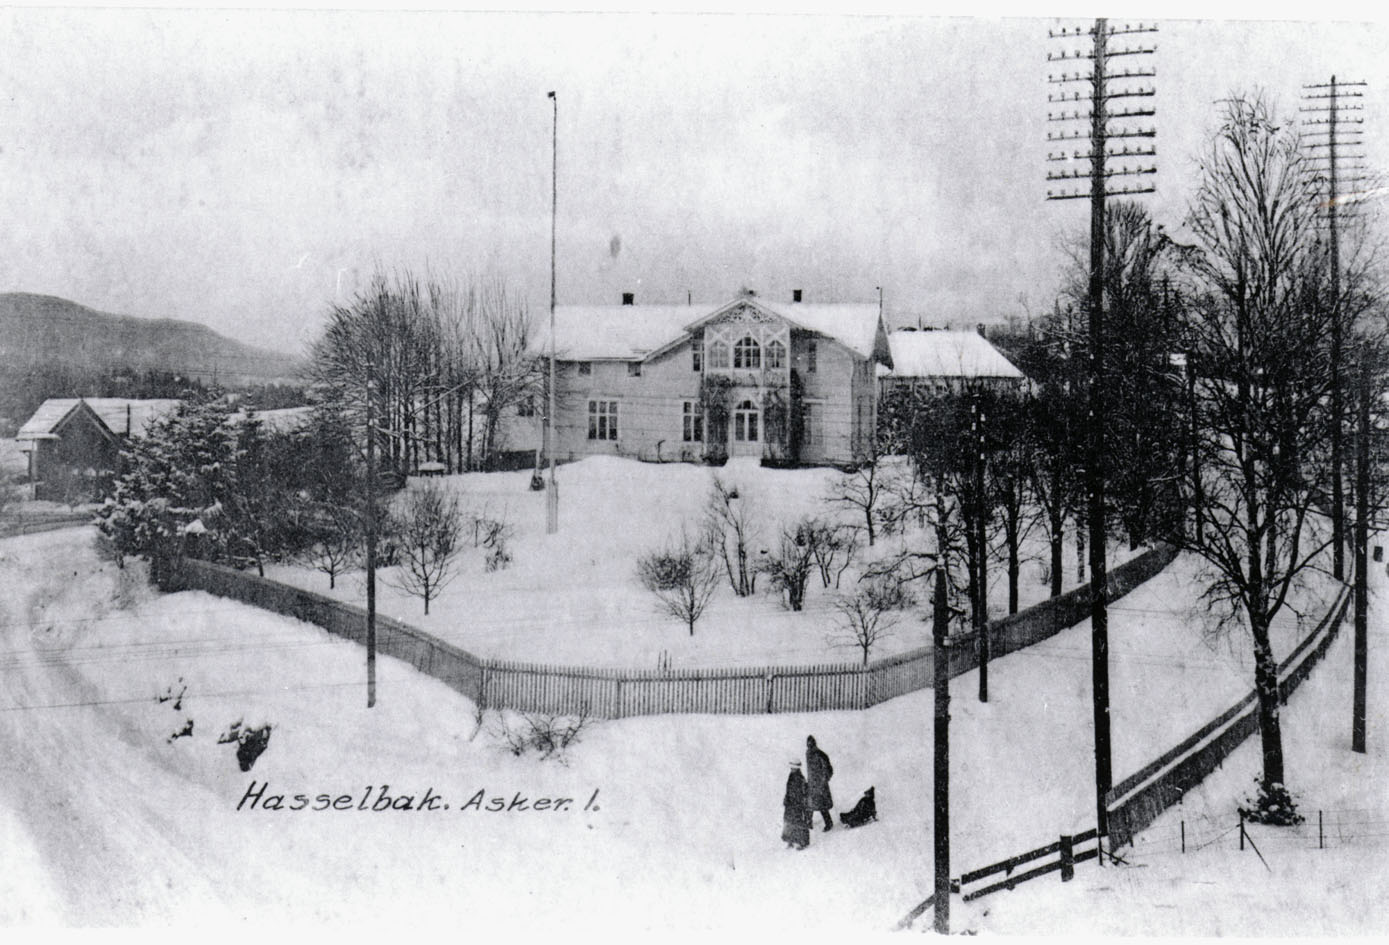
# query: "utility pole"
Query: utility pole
{"points": [[371, 532], [981, 568], [551, 486], [1131, 83], [940, 624], [1362, 541], [1332, 136]]}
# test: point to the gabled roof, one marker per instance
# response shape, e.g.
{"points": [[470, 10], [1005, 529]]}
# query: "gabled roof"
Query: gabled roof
{"points": [[111, 410], [634, 332], [946, 354]]}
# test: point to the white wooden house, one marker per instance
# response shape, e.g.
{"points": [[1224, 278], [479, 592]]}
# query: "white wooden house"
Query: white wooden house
{"points": [[782, 381]]}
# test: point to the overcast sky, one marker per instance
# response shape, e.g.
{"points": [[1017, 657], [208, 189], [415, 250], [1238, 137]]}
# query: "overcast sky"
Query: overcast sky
{"points": [[240, 169]]}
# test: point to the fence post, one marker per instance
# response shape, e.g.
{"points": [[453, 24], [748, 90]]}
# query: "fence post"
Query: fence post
{"points": [[617, 709], [771, 688], [1068, 863], [1184, 836], [1241, 829]]}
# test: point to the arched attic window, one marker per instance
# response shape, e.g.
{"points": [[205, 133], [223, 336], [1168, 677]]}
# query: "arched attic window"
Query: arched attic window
{"points": [[747, 354], [717, 352], [776, 354]]}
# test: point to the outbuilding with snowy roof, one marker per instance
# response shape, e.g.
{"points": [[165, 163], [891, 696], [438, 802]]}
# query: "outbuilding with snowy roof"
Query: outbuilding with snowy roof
{"points": [[73, 443]]}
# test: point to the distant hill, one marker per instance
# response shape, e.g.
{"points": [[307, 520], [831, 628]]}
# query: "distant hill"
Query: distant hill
{"points": [[49, 332]]}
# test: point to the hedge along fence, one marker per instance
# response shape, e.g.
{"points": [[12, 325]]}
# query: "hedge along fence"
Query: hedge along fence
{"points": [[619, 693], [1136, 802]]}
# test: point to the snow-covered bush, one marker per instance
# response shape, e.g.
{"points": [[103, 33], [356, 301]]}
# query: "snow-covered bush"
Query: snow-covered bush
{"points": [[788, 568], [1271, 804], [548, 735], [250, 742], [682, 576]]}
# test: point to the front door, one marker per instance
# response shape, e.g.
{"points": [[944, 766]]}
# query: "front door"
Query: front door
{"points": [[746, 432]]}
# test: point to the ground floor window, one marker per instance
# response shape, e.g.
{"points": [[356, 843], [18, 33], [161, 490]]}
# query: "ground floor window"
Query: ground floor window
{"points": [[745, 422], [602, 419], [693, 422], [810, 426]]}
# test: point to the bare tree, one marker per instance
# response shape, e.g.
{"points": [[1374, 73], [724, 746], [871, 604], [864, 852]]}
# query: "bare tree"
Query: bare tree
{"points": [[337, 539], [788, 568], [834, 547], [1261, 324], [869, 615], [426, 529], [861, 492], [730, 522], [682, 577]]}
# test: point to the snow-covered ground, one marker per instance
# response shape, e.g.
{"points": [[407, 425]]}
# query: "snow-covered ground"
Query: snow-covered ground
{"points": [[573, 598], [105, 820]]}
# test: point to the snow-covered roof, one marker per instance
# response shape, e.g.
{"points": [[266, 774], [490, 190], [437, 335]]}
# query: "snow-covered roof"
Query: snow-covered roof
{"points": [[280, 419], [111, 410], [946, 354], [632, 332]]}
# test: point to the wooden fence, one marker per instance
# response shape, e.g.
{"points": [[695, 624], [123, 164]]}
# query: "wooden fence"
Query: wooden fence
{"points": [[620, 693], [1067, 851], [31, 526], [1136, 802]]}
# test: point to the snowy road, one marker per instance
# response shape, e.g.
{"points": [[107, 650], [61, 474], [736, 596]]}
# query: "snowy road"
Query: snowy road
{"points": [[74, 773]]}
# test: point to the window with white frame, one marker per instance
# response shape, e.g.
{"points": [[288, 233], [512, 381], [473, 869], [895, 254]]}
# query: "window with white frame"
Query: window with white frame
{"points": [[810, 426], [526, 406], [745, 422], [810, 356], [693, 422], [747, 354], [697, 355], [602, 419], [634, 369], [718, 355], [776, 354]]}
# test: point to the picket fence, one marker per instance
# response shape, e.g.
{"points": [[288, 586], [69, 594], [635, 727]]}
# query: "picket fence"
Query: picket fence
{"points": [[621, 693]]}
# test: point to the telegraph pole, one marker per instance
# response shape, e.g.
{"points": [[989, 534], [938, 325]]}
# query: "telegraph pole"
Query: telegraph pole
{"points": [[1362, 541], [371, 533], [981, 571], [1336, 134], [941, 780], [1131, 83], [551, 486]]}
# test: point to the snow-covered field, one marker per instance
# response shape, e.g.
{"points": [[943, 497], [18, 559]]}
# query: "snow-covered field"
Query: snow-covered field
{"points": [[105, 820], [573, 598]]}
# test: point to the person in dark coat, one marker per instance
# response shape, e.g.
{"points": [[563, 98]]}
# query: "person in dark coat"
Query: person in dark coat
{"points": [[795, 815], [819, 771]]}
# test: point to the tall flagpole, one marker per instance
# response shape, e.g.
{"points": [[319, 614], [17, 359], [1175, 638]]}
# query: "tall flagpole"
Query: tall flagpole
{"points": [[551, 487]]}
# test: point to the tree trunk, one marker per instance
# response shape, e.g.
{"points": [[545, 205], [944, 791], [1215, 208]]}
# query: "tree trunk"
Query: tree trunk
{"points": [[1266, 689], [1014, 570], [1080, 548], [1058, 523]]}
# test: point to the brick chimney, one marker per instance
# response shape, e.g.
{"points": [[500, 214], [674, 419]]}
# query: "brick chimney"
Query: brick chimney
{"points": [[979, 327], [629, 298], [795, 295]]}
